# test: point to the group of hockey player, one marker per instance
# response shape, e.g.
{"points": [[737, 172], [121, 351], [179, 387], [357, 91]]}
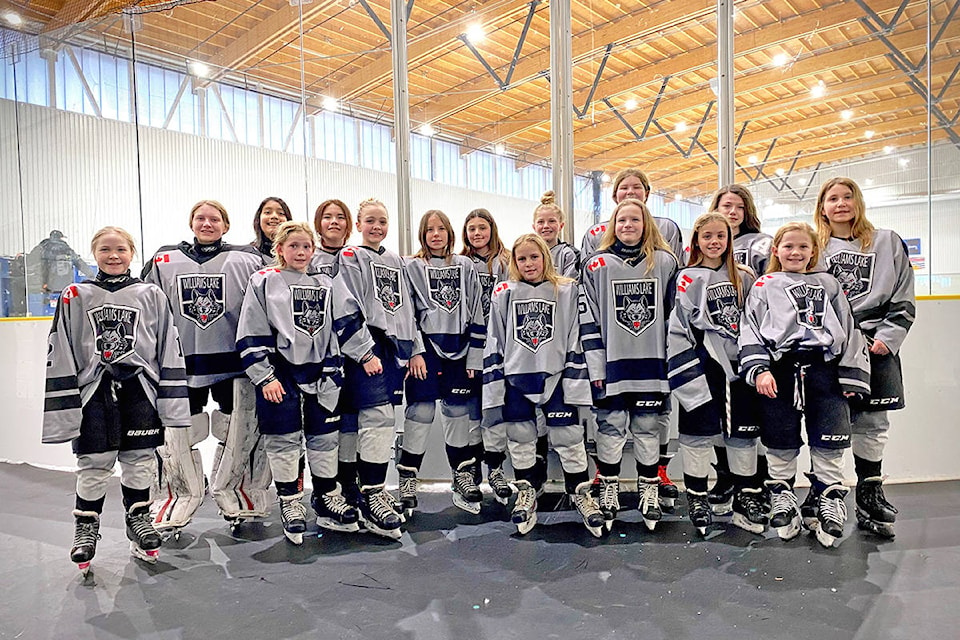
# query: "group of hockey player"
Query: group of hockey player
{"points": [[307, 344]]}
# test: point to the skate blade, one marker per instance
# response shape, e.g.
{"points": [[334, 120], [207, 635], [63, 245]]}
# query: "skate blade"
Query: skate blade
{"points": [[333, 525], [504, 501], [523, 528], [744, 523], [826, 540], [295, 538], [789, 531], [84, 567], [722, 508], [608, 524], [390, 534], [882, 529], [596, 532], [651, 524], [147, 555], [701, 530], [469, 507]]}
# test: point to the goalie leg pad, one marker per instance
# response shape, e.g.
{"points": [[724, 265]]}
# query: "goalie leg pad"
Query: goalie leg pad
{"points": [[179, 490], [242, 483]]}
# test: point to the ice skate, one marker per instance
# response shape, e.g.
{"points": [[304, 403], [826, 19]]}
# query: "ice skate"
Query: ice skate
{"points": [[609, 499], [409, 485], [784, 510], [668, 492], [698, 509], [748, 511], [144, 540], [593, 518], [85, 535], [808, 510], [498, 483], [378, 514], [874, 513], [525, 508], [721, 494], [293, 515], [334, 512], [649, 505], [832, 514], [466, 493]]}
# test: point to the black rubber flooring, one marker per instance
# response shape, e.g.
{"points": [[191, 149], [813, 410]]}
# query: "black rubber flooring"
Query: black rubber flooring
{"points": [[458, 576]]}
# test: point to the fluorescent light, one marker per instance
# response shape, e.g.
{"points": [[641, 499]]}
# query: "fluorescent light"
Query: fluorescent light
{"points": [[13, 19], [427, 130], [475, 33], [198, 69], [753, 159], [680, 127], [888, 149], [846, 114], [780, 59], [500, 149], [678, 196], [630, 104], [330, 103], [868, 134], [780, 172], [818, 90]]}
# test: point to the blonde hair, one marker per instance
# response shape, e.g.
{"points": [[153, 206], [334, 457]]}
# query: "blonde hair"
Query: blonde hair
{"points": [[631, 172], [497, 250], [318, 216], [422, 234], [751, 219], [861, 228], [549, 270], [371, 202], [651, 238], [774, 264], [216, 205], [284, 231], [728, 260], [548, 202], [123, 233]]}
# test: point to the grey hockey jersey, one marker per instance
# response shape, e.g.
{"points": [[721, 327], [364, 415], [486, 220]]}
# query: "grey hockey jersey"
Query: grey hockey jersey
{"points": [[669, 229], [121, 325], [533, 344], [631, 308], [879, 284], [705, 322], [325, 262], [205, 285], [794, 311], [753, 250], [378, 281], [302, 318], [566, 260], [489, 278], [446, 297]]}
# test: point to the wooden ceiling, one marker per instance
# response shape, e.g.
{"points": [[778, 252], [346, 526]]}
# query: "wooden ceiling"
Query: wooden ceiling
{"points": [[868, 55]]}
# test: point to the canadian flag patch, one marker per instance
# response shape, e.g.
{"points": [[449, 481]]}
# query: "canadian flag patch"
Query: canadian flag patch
{"points": [[349, 252], [684, 281], [163, 257], [598, 230], [68, 293], [596, 263]]}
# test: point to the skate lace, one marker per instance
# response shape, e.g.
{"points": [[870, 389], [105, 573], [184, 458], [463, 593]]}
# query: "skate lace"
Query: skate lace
{"points": [[585, 504], [141, 524], [291, 510], [610, 493], [463, 481], [876, 495], [526, 497], [751, 504], [86, 534], [698, 504], [784, 501], [381, 505], [498, 482], [409, 485], [648, 497], [336, 504], [833, 509]]}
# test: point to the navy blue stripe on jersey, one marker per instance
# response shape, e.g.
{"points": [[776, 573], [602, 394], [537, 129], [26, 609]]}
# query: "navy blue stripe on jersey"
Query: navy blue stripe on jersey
{"points": [[576, 374], [688, 375], [592, 344], [493, 360], [347, 327], [448, 343], [61, 384], [854, 374], [492, 376], [179, 391], [62, 403], [206, 364], [574, 357], [173, 374], [681, 359], [529, 383], [636, 369]]}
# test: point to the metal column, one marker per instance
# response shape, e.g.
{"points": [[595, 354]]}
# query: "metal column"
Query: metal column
{"points": [[561, 108], [401, 120], [725, 138]]}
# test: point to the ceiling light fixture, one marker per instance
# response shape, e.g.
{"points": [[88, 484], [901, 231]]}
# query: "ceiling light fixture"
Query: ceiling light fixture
{"points": [[198, 69], [888, 149], [868, 134], [475, 33], [500, 149], [753, 159], [630, 104], [818, 90], [13, 19], [780, 59], [846, 114], [680, 127], [330, 103], [427, 129]]}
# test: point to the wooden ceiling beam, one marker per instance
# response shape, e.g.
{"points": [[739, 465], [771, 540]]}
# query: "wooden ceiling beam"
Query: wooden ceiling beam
{"points": [[78, 11]]}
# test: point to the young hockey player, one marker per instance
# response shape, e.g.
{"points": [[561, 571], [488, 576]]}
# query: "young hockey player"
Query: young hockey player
{"points": [[634, 183], [548, 223], [482, 244], [446, 297], [628, 285], [271, 213], [702, 366], [204, 282], [533, 359], [800, 347], [751, 247], [873, 268], [115, 382], [333, 223], [376, 278], [288, 338]]}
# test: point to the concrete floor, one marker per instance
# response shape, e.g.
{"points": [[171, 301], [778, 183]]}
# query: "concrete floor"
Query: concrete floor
{"points": [[454, 575]]}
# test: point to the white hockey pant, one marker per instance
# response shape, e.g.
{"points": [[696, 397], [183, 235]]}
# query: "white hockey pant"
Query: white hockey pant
{"points": [[827, 464], [495, 438], [871, 430], [138, 469], [376, 433], [696, 453], [612, 427], [742, 455]]}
